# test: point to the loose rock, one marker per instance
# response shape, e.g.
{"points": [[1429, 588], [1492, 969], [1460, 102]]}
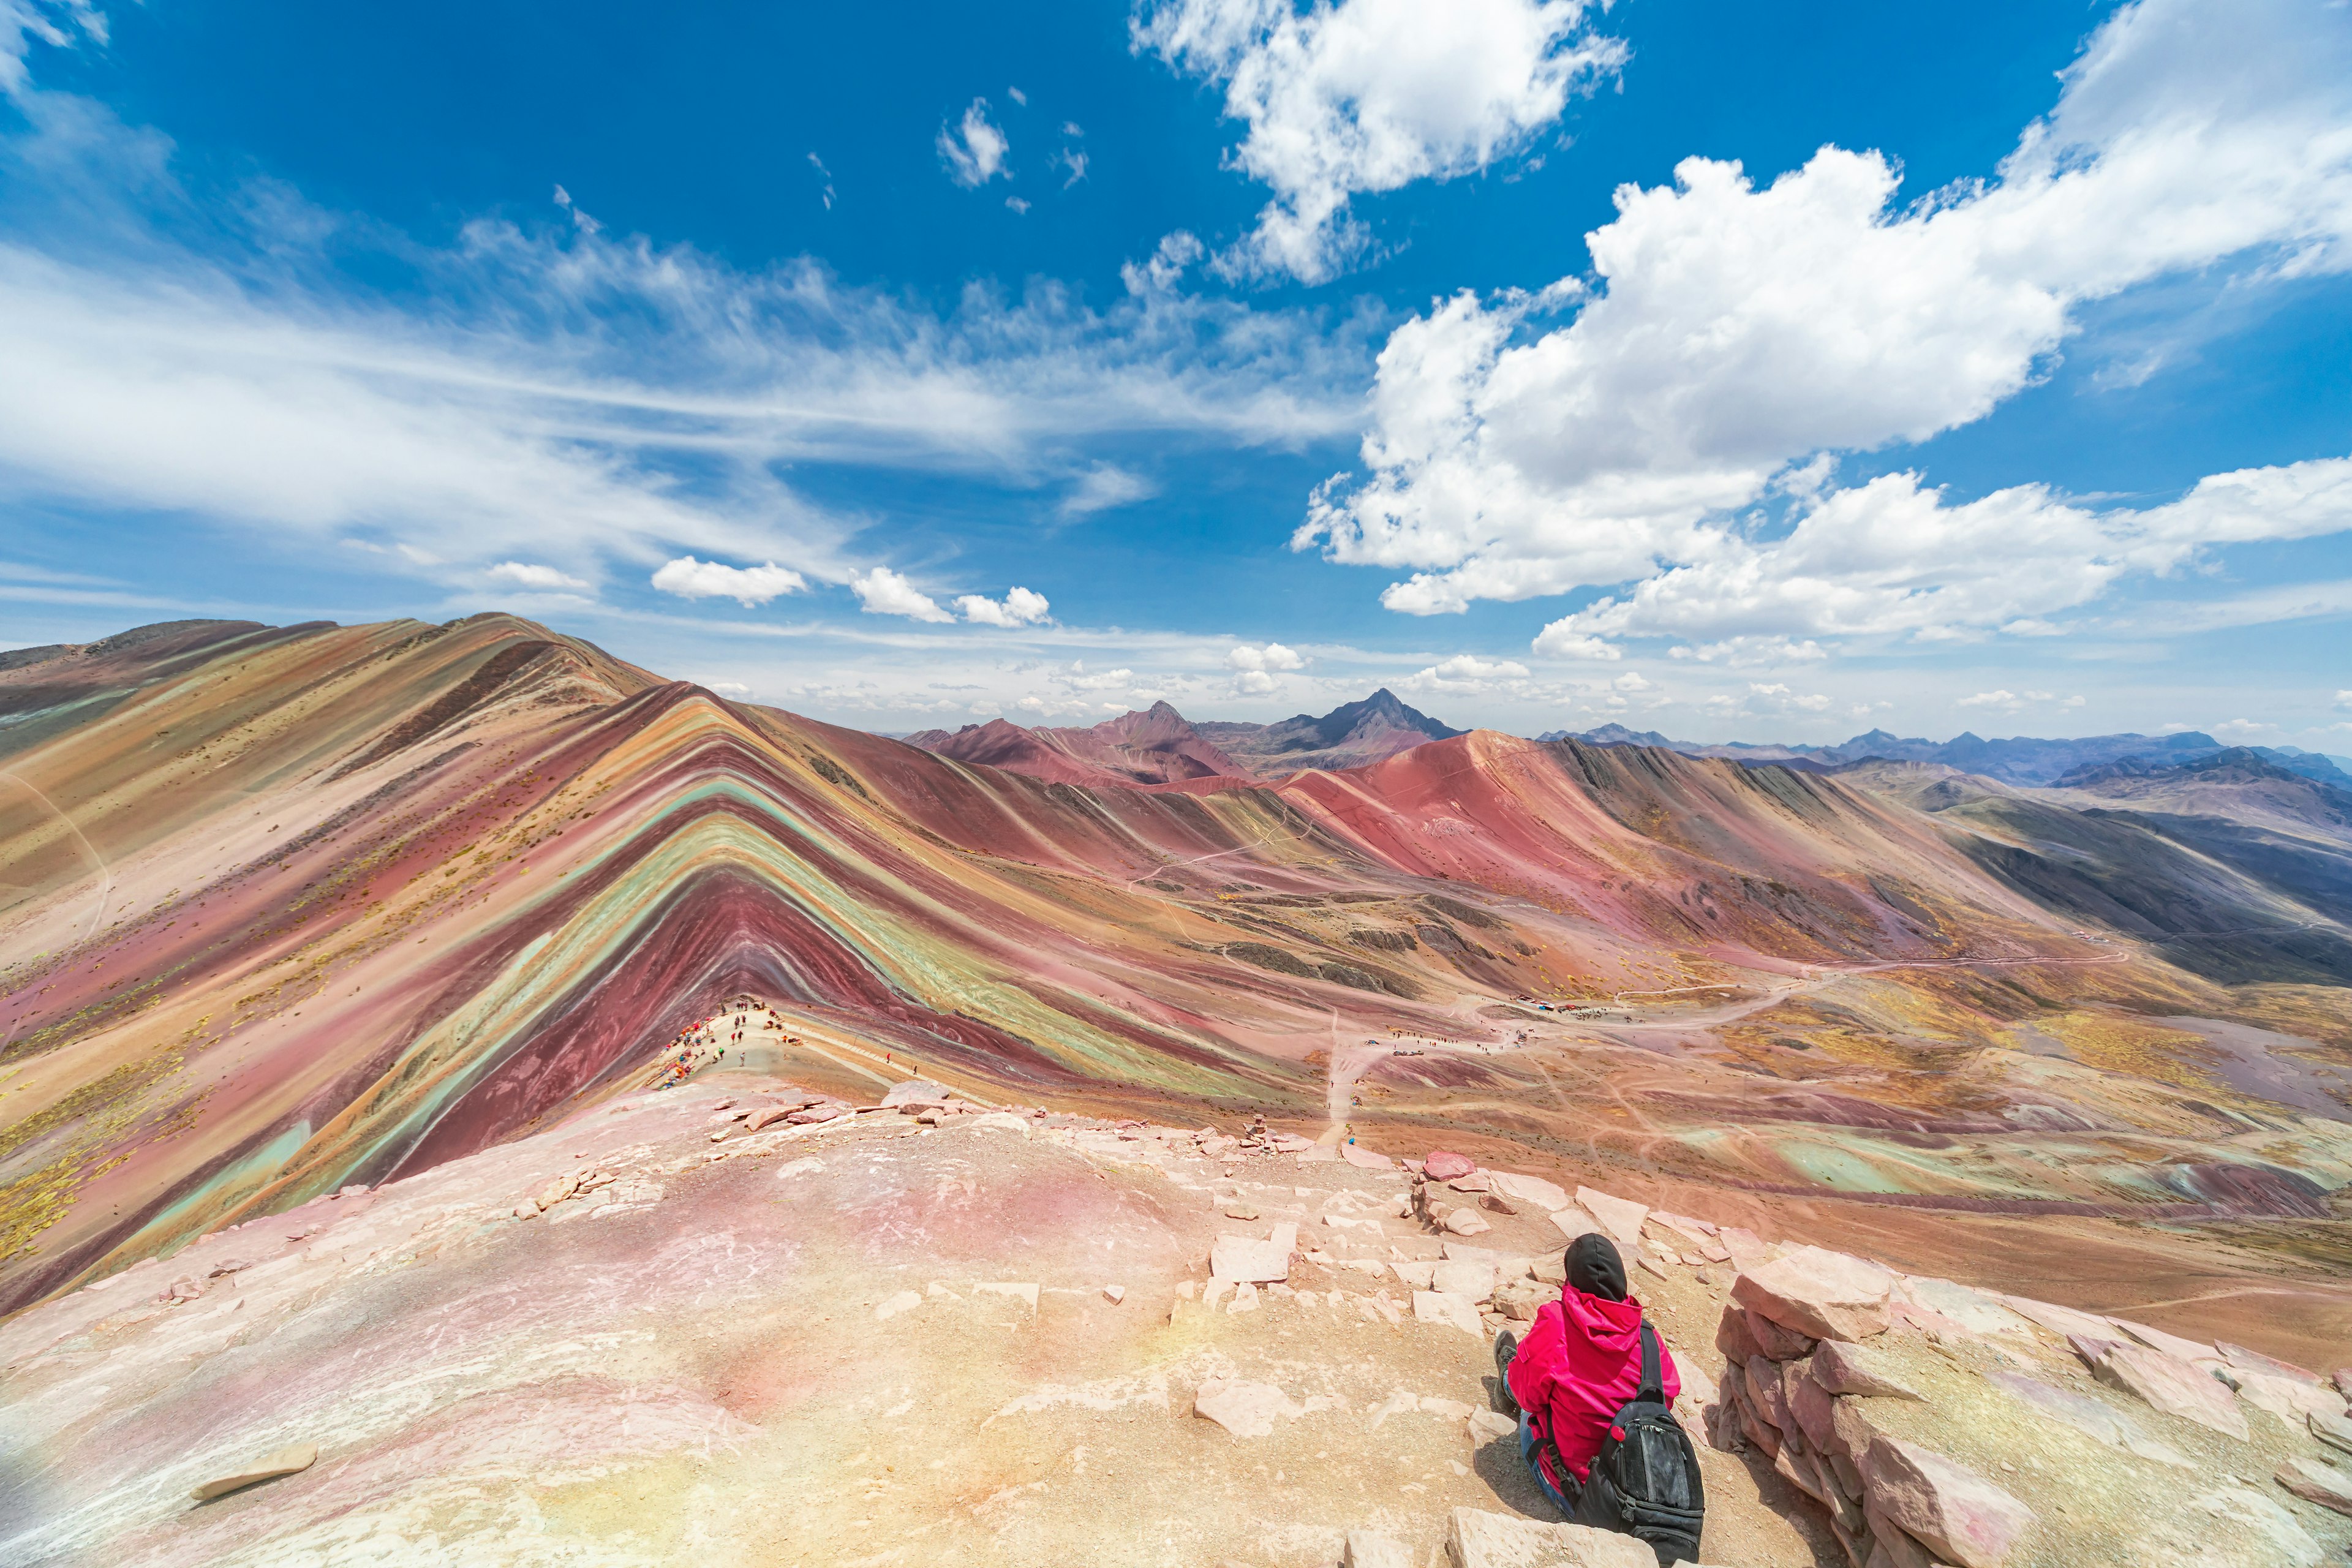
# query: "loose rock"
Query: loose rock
{"points": [[1243, 1409], [285, 1462], [1476, 1539], [2316, 1483]]}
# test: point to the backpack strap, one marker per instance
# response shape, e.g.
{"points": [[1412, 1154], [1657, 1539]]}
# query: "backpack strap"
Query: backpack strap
{"points": [[1654, 1377]]}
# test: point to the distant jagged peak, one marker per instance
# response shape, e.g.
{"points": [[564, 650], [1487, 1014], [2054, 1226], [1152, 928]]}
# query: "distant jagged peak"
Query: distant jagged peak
{"points": [[1147, 746]]}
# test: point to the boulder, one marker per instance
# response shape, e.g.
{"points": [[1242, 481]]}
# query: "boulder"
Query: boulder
{"points": [[1776, 1342], [1444, 1165], [1521, 1299], [1811, 1406], [1440, 1306], [2316, 1483], [1857, 1432], [1733, 1339], [2174, 1387], [1476, 1539], [1239, 1257], [1621, 1217], [1243, 1409], [1827, 1295], [1890, 1546], [1953, 1511], [1864, 1370], [1764, 1387], [288, 1461], [1545, 1195], [1365, 1550]]}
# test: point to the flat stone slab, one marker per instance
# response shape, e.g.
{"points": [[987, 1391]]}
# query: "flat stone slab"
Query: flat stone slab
{"points": [[1823, 1294], [1548, 1196], [1442, 1307], [1365, 1549], [2174, 1387], [1244, 1408], [1621, 1217], [2316, 1483], [1477, 1539], [1240, 1258]]}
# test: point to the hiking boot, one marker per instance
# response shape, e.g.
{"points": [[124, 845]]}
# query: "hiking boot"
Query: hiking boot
{"points": [[1507, 1346]]}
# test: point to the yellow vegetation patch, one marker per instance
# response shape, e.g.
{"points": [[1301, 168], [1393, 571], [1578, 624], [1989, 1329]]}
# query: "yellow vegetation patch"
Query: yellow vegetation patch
{"points": [[2132, 1046]]}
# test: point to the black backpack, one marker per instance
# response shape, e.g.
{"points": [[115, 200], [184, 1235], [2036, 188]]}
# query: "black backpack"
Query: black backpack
{"points": [[1644, 1483]]}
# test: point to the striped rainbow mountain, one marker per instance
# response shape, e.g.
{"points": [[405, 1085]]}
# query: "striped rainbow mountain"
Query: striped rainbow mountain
{"points": [[286, 908]]}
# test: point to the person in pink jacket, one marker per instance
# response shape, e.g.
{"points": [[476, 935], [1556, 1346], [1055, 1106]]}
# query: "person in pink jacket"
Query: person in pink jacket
{"points": [[1579, 1364]]}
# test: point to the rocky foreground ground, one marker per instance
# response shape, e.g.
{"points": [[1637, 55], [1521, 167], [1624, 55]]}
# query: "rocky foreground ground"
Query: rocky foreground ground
{"points": [[737, 1322]]}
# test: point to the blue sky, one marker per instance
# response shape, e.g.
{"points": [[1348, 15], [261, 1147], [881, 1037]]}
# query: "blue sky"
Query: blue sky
{"points": [[1726, 371]]}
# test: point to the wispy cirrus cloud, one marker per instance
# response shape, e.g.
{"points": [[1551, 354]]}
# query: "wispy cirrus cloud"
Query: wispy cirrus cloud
{"points": [[235, 368]]}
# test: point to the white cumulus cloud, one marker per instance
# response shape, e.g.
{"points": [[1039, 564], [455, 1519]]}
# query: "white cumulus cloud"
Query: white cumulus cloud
{"points": [[749, 585], [1892, 558], [975, 149], [1734, 332], [1019, 607], [1370, 95], [882, 591], [1259, 659]]}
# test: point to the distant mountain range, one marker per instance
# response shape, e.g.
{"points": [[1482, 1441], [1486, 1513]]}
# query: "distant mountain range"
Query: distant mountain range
{"points": [[1160, 746], [2021, 759], [1154, 746], [1346, 737]]}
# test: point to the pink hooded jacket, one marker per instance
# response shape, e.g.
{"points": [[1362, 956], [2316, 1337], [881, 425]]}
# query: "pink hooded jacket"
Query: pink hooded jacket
{"points": [[1579, 1365]]}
